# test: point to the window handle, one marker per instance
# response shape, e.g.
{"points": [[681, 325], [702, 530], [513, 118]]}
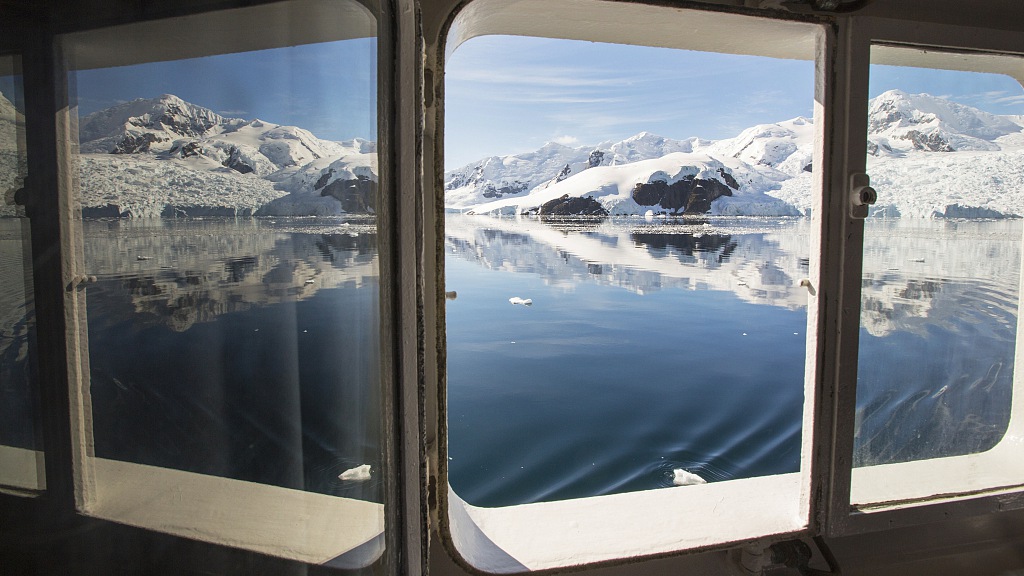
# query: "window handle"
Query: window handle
{"points": [[862, 195]]}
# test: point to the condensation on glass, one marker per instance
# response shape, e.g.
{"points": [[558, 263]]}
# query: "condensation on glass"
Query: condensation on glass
{"points": [[227, 189], [938, 399], [21, 456]]}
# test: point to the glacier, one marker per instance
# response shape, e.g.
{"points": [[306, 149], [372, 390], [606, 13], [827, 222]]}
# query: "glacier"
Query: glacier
{"points": [[928, 158], [165, 157]]}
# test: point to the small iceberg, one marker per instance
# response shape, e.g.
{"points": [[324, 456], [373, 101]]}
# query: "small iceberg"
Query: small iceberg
{"points": [[516, 300], [357, 474], [681, 477]]}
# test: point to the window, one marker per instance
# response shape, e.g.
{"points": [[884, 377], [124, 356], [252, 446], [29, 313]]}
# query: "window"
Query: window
{"points": [[937, 391], [230, 386], [938, 441], [21, 455], [625, 334], [158, 510]]}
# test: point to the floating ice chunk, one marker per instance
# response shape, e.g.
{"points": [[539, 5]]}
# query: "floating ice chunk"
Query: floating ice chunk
{"points": [[522, 301], [681, 477], [357, 474]]}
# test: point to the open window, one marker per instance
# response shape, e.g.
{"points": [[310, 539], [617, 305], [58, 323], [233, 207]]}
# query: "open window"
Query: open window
{"points": [[224, 197], [935, 428], [21, 450], [628, 364]]}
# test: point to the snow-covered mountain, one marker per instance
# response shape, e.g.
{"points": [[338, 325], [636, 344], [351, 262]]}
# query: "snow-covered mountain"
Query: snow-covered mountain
{"points": [[930, 157], [165, 156]]}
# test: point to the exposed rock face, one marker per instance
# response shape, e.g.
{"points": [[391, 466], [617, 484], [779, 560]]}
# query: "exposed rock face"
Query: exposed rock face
{"points": [[687, 196], [133, 143], [510, 189], [572, 206], [357, 196], [729, 180], [236, 163], [188, 149], [933, 142], [563, 174], [324, 179], [875, 149], [596, 157]]}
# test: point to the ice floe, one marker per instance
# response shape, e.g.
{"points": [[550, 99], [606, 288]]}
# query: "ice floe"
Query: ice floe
{"points": [[681, 477], [357, 474]]}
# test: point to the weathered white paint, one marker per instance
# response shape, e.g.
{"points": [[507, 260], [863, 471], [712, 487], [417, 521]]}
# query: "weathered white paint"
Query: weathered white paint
{"points": [[22, 469], [584, 530], [629, 23], [305, 526]]}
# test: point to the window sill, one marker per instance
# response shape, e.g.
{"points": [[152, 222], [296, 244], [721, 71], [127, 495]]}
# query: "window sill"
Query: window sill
{"points": [[305, 526], [585, 530], [22, 469]]}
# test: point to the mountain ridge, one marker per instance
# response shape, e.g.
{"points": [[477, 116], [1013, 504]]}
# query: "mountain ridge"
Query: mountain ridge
{"points": [[779, 154]]}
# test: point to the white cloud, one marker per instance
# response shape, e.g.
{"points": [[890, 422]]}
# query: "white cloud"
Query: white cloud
{"points": [[565, 140]]}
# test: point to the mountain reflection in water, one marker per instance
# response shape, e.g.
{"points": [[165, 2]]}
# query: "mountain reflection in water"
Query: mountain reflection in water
{"points": [[246, 349], [249, 348], [653, 345]]}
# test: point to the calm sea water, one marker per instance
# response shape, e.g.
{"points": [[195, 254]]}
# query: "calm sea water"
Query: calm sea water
{"points": [[248, 349]]}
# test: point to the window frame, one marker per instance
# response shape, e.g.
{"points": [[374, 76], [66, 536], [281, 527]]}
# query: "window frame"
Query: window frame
{"points": [[843, 517], [129, 493], [22, 470], [489, 539], [842, 63]]}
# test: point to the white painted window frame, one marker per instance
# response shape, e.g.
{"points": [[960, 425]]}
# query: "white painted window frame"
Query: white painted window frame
{"points": [[513, 539], [551, 535], [287, 523], [946, 494]]}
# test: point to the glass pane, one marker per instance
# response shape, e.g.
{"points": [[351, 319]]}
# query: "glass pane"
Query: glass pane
{"points": [[21, 447], [625, 310], [229, 232], [941, 283]]}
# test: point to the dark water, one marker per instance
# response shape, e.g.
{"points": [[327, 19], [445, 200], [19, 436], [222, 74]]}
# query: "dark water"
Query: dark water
{"points": [[660, 345], [19, 399], [248, 349]]}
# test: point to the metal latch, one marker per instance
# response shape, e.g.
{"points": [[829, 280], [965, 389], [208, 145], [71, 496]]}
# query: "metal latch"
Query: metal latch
{"points": [[862, 195]]}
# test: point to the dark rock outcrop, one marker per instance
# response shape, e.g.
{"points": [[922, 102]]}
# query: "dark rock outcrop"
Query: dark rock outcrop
{"points": [[572, 206], [133, 143], [563, 174], [729, 180], [236, 163], [187, 149], [875, 149], [516, 187], [596, 157], [357, 196], [690, 195], [932, 142], [324, 178]]}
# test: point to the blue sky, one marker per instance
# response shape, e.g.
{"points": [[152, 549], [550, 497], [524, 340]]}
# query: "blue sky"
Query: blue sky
{"points": [[329, 89], [508, 94]]}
